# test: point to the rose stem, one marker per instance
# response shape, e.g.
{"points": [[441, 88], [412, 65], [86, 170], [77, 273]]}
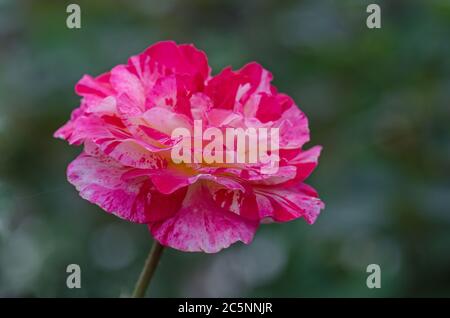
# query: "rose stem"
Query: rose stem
{"points": [[149, 269]]}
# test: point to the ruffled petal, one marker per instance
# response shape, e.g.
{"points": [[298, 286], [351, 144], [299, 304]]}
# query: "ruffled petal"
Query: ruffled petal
{"points": [[305, 162], [99, 180], [125, 82], [284, 204], [202, 226], [166, 58]]}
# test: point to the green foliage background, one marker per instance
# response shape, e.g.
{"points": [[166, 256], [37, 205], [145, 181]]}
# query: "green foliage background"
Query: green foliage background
{"points": [[377, 100]]}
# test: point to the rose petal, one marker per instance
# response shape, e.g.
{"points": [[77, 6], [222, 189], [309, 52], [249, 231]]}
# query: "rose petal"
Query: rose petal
{"points": [[99, 180], [284, 204], [202, 226]]}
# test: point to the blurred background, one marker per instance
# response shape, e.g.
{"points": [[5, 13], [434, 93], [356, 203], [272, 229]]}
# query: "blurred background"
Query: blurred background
{"points": [[378, 101]]}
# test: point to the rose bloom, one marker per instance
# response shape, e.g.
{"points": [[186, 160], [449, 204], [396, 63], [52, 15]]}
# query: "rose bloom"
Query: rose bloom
{"points": [[125, 122]]}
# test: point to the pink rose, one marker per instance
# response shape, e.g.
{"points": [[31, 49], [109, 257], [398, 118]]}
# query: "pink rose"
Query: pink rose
{"points": [[125, 122]]}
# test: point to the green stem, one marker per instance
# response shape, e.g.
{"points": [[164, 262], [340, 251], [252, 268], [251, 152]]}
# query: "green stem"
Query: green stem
{"points": [[148, 270]]}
